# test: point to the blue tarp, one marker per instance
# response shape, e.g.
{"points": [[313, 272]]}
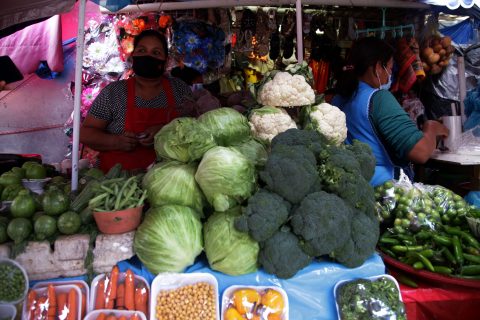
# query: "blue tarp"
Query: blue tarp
{"points": [[463, 32], [114, 5]]}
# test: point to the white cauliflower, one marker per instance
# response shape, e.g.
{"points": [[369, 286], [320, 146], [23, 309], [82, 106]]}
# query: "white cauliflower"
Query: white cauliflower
{"points": [[285, 90], [328, 120], [267, 122]]}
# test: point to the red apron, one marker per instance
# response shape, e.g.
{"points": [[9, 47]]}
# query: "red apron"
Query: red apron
{"points": [[136, 121]]}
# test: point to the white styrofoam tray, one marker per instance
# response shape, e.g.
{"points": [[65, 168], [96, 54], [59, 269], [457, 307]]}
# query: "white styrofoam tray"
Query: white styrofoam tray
{"points": [[169, 281], [58, 289], [84, 288], [92, 315], [227, 296], [121, 279], [373, 278]]}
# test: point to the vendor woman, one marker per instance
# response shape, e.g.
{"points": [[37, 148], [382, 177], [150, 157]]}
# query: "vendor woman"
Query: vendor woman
{"points": [[127, 114], [375, 117]]}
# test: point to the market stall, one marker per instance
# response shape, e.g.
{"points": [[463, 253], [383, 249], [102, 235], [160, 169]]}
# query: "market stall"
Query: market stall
{"points": [[265, 216]]}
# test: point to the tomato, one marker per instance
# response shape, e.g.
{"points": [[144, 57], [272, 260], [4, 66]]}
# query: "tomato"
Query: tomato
{"points": [[36, 171], [45, 226], [69, 222], [23, 206], [19, 229]]}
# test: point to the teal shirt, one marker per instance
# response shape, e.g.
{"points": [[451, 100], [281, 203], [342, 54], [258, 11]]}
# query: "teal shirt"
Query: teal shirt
{"points": [[398, 133]]}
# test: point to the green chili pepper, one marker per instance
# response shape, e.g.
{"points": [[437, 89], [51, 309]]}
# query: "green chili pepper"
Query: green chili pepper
{"points": [[472, 258], [471, 270], [424, 260], [442, 240], [457, 250], [442, 269]]}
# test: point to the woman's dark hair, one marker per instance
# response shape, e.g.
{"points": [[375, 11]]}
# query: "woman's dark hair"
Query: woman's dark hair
{"points": [[151, 33], [365, 53]]}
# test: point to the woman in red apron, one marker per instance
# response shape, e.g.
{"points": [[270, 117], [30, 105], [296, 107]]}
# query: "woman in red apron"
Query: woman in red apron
{"points": [[131, 142]]}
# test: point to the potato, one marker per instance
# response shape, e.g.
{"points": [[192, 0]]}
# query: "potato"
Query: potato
{"points": [[442, 52], [443, 63], [450, 49], [433, 58], [437, 48], [426, 52]]}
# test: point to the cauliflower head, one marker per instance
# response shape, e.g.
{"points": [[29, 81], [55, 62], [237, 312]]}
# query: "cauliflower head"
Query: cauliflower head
{"points": [[285, 90], [267, 122], [328, 120]]}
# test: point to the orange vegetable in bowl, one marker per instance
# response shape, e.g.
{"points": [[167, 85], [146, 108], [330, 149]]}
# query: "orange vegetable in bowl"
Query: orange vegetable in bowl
{"points": [[245, 300], [273, 300], [232, 314]]}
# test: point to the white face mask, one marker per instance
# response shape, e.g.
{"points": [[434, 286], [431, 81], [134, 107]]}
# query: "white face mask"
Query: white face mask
{"points": [[387, 85]]}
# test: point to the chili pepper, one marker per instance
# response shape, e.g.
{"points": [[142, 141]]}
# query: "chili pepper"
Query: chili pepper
{"points": [[418, 265], [464, 235], [427, 264], [442, 240], [423, 235], [471, 270], [386, 240], [457, 250], [447, 254], [472, 258], [470, 277], [399, 248], [473, 251], [388, 252], [442, 269], [406, 281]]}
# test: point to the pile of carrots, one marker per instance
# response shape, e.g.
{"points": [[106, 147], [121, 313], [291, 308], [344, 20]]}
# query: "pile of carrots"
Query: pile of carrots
{"points": [[126, 295], [111, 316], [54, 305]]}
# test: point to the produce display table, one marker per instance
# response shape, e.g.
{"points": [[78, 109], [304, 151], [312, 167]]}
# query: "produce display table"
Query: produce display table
{"points": [[429, 302], [469, 163], [310, 292]]}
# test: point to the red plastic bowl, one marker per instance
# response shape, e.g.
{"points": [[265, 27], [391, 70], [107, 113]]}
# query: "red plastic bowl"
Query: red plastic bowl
{"points": [[115, 222]]}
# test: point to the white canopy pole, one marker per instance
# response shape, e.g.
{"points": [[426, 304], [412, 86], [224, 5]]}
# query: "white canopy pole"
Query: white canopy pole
{"points": [[199, 4], [299, 23], [78, 92]]}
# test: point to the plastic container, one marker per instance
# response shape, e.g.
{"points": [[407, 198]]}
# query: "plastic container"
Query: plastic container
{"points": [[121, 278], [118, 313], [35, 185], [84, 288], [169, 281], [58, 289], [115, 222], [8, 311], [25, 276], [228, 293], [389, 277]]}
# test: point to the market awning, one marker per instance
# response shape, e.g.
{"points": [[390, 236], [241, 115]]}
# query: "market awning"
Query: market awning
{"points": [[454, 4]]}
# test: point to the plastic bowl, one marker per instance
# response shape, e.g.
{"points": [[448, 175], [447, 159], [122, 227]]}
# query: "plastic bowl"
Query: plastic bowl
{"points": [[169, 281], [35, 185], [228, 293], [25, 277], [115, 222], [8, 311]]}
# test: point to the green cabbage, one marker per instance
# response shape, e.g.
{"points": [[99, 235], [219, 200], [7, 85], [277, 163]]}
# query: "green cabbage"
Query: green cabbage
{"points": [[227, 125], [253, 151], [183, 139], [228, 250], [173, 182], [169, 239], [226, 177]]}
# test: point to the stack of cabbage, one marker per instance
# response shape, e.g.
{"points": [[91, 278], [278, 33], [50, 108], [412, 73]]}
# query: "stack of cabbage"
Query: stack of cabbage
{"points": [[208, 164]]}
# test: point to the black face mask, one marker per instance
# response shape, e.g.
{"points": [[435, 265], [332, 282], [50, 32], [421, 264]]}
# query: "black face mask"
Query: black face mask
{"points": [[148, 66]]}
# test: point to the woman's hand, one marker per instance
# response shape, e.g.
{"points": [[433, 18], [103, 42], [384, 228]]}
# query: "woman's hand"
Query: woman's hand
{"points": [[148, 135], [436, 128], [126, 141]]}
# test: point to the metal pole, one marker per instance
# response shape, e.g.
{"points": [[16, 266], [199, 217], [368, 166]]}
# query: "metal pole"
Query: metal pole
{"points": [[299, 23], [462, 86], [78, 92]]}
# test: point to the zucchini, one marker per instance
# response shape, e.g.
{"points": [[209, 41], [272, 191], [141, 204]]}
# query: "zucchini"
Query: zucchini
{"points": [[81, 201], [114, 172]]}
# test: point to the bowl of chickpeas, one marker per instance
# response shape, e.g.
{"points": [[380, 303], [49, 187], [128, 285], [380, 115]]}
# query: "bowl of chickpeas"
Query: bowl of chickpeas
{"points": [[184, 296]]}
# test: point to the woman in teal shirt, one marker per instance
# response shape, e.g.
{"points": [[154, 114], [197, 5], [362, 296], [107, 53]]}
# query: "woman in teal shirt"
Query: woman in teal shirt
{"points": [[375, 117]]}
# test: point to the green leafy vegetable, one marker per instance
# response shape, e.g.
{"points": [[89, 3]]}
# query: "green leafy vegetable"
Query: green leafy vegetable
{"points": [[227, 126]]}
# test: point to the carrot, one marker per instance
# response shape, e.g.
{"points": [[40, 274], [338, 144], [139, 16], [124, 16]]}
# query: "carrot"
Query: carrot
{"points": [[52, 302], [112, 288], [61, 303], [120, 301], [122, 318], [129, 290], [101, 316], [100, 296], [41, 309], [72, 305], [141, 299], [111, 317], [135, 316], [31, 304], [84, 304]]}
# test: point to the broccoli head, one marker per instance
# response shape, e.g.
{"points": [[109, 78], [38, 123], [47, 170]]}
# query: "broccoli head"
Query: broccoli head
{"points": [[365, 158], [313, 140], [282, 255], [321, 221], [265, 213], [365, 231], [341, 174], [290, 171]]}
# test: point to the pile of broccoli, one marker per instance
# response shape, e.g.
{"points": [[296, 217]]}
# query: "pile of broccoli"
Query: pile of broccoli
{"points": [[315, 201]]}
